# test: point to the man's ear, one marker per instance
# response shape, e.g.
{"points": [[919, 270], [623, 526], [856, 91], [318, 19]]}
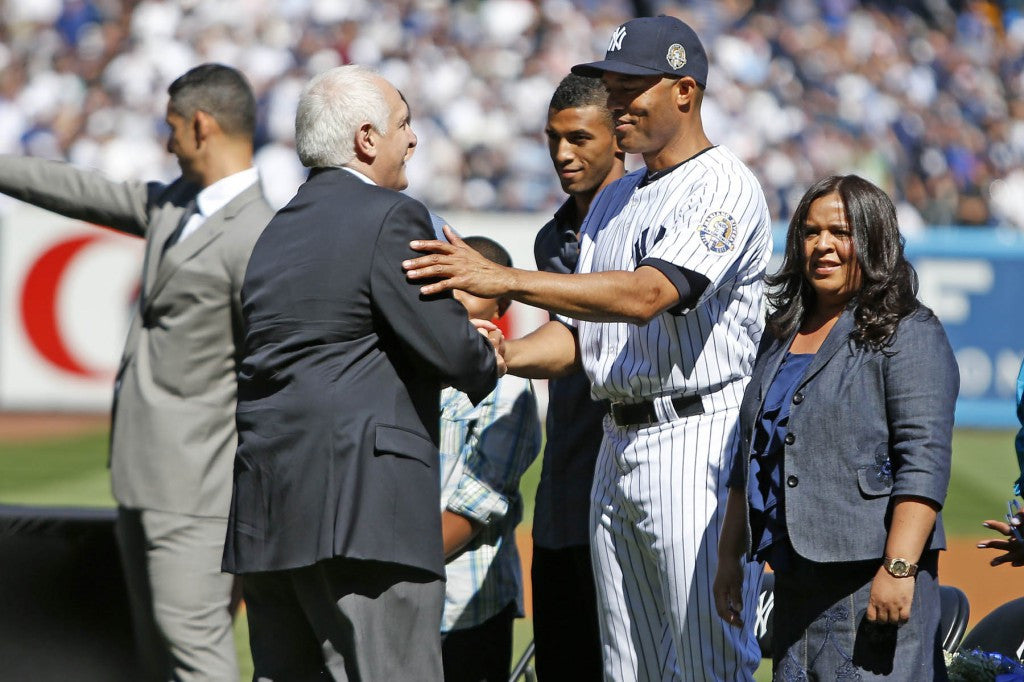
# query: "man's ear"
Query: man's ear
{"points": [[203, 126], [366, 142], [687, 92]]}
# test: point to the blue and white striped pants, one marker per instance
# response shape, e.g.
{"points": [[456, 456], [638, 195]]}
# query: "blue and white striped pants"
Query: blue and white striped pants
{"points": [[657, 506]]}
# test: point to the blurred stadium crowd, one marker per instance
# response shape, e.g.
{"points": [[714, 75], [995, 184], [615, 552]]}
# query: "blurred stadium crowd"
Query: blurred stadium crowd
{"points": [[925, 98]]}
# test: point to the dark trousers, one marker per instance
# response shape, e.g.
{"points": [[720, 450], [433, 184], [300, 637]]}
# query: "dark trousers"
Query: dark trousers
{"points": [[482, 653], [820, 631], [345, 620], [565, 628]]}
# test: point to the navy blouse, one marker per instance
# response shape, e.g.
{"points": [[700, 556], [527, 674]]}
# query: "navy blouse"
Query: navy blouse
{"points": [[764, 480]]}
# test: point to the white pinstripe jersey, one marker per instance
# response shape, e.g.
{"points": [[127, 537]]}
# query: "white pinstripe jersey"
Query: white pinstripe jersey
{"points": [[709, 216]]}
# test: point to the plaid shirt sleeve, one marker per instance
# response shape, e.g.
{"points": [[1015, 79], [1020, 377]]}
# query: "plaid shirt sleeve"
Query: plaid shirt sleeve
{"points": [[502, 442]]}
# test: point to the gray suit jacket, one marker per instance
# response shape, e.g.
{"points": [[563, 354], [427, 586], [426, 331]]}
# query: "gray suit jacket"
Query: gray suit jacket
{"points": [[866, 426], [173, 431]]}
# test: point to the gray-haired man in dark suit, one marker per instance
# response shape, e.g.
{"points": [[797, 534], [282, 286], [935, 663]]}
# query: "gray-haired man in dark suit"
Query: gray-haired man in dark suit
{"points": [[334, 519]]}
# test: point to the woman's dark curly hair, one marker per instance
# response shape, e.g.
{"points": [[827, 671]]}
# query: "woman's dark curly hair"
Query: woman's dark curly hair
{"points": [[888, 290]]}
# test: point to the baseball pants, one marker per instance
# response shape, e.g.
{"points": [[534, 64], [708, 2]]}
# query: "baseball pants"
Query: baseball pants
{"points": [[657, 506]]}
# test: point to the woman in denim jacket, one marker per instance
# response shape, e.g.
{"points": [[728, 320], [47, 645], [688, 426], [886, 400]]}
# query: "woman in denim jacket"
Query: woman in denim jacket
{"points": [[844, 450]]}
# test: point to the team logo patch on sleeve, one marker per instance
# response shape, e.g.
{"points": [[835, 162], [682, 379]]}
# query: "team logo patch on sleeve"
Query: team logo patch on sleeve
{"points": [[718, 232]]}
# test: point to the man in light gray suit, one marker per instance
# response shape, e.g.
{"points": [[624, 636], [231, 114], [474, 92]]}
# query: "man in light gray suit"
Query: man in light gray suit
{"points": [[173, 426]]}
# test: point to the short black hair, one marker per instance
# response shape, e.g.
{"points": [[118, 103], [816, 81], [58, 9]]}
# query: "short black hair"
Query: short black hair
{"points": [[220, 91], [489, 249], [575, 92]]}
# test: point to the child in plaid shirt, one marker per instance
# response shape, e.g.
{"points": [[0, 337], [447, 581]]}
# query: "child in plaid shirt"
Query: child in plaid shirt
{"points": [[484, 451]]}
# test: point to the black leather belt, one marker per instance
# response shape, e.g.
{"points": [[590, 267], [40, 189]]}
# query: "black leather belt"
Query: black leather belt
{"points": [[643, 413]]}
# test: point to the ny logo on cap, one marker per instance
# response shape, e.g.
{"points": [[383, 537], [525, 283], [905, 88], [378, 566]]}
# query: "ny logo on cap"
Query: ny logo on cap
{"points": [[616, 41]]}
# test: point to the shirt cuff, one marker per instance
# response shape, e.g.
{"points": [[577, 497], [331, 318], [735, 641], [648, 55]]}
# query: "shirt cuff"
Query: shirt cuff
{"points": [[476, 501], [933, 490], [688, 283]]}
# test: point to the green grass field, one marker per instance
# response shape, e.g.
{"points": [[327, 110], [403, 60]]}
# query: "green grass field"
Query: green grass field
{"points": [[72, 472]]}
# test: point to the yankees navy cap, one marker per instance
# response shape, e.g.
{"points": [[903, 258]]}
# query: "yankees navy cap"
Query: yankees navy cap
{"points": [[652, 46]]}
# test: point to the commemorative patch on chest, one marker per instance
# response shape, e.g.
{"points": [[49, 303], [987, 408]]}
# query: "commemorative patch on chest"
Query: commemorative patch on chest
{"points": [[718, 232]]}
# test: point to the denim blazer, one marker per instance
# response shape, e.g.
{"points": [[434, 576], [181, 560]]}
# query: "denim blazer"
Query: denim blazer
{"points": [[865, 426]]}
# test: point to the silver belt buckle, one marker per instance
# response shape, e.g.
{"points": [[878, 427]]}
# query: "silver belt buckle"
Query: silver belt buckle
{"points": [[617, 406]]}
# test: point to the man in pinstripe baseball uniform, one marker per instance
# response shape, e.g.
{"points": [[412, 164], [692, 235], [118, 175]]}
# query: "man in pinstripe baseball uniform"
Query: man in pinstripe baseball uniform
{"points": [[664, 314]]}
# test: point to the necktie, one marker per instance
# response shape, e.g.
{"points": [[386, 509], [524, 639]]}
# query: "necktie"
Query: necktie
{"points": [[190, 210]]}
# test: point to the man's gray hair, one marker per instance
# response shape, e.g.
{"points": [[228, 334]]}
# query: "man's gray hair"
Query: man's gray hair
{"points": [[332, 108]]}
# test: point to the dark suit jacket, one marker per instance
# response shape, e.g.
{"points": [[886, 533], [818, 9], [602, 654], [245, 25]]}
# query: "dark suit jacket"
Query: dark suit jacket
{"points": [[866, 426], [338, 395]]}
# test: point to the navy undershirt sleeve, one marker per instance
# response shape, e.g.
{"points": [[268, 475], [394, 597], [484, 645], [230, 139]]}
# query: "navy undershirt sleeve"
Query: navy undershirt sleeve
{"points": [[689, 284]]}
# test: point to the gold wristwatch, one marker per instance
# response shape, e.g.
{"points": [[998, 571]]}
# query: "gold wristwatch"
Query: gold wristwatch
{"points": [[899, 568]]}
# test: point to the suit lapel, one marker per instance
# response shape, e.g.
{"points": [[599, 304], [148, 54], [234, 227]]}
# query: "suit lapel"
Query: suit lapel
{"points": [[837, 338], [212, 228], [155, 250]]}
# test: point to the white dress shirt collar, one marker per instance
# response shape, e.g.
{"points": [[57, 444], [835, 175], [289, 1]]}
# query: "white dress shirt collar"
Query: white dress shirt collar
{"points": [[359, 175], [216, 196]]}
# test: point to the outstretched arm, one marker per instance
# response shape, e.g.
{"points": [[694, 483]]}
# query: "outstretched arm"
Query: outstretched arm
{"points": [[77, 193], [613, 296], [548, 352], [433, 330]]}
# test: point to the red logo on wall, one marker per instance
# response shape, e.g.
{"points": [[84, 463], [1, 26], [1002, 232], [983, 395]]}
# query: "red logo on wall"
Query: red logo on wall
{"points": [[39, 306], [39, 309]]}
